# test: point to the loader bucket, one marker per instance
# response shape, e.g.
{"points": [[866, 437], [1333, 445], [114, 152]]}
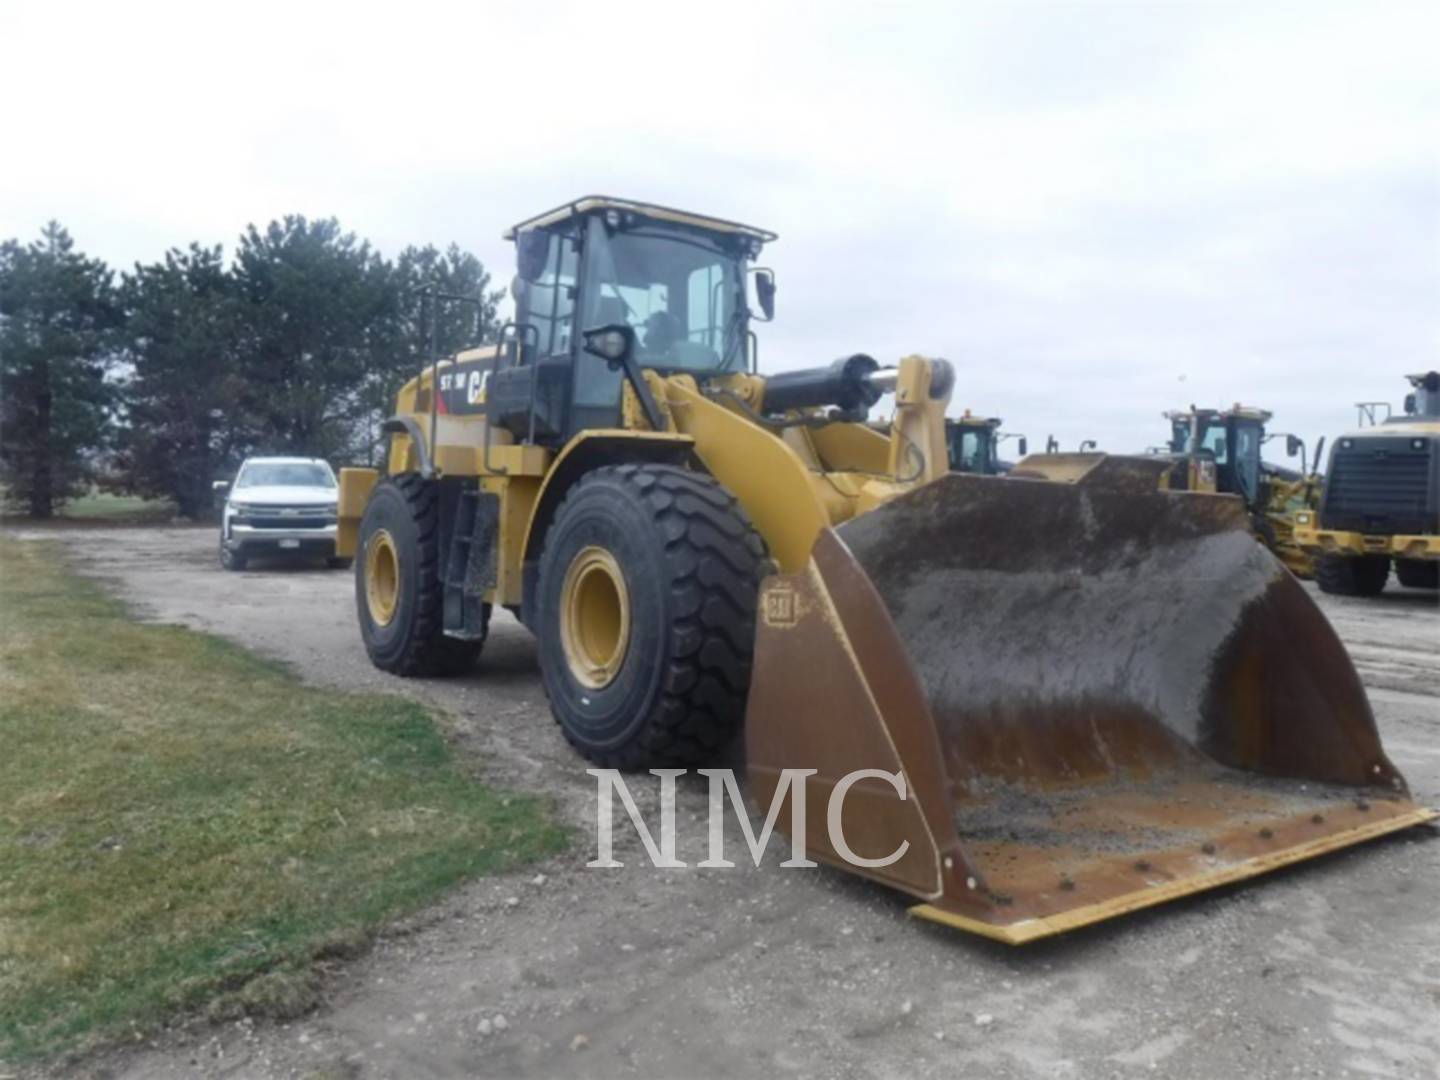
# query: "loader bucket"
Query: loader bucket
{"points": [[1101, 696]]}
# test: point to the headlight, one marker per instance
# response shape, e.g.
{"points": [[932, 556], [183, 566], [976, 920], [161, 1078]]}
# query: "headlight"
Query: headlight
{"points": [[1302, 519]]}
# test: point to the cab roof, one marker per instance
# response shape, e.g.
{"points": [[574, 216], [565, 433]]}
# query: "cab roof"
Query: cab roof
{"points": [[1238, 411], [590, 204], [968, 419]]}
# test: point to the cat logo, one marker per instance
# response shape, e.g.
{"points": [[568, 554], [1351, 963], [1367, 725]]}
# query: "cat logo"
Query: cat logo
{"points": [[781, 607]]}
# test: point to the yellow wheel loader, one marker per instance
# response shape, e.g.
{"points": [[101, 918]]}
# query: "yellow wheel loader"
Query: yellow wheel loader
{"points": [[1219, 450], [974, 444], [1029, 705], [1381, 502]]}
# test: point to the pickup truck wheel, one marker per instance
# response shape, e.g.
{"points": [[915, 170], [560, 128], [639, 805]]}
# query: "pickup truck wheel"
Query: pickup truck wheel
{"points": [[398, 592], [231, 560]]}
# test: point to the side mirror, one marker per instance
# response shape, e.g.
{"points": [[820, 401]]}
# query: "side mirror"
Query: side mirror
{"points": [[765, 292], [1087, 445], [1024, 446], [613, 343], [220, 485], [1052, 445], [1293, 446], [1410, 404], [532, 252]]}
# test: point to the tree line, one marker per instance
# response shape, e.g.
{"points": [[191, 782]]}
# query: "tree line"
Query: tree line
{"points": [[158, 380]]}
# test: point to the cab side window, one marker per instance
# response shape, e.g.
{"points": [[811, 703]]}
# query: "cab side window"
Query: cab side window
{"points": [[548, 302]]}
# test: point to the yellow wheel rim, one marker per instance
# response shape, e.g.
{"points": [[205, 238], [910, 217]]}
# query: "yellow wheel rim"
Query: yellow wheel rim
{"points": [[382, 577], [594, 617]]}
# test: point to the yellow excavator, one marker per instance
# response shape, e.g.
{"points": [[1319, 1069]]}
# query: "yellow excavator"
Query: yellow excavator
{"points": [[1030, 705]]}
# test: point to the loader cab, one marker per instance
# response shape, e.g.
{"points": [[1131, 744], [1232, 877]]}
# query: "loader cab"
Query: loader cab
{"points": [[973, 444], [1224, 444], [1423, 401], [678, 281]]}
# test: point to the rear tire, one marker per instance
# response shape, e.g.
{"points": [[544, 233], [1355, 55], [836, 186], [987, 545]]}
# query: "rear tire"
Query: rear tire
{"points": [[1418, 573], [1359, 575], [646, 615], [400, 609]]}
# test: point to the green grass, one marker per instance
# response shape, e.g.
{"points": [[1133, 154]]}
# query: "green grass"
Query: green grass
{"points": [[100, 508], [184, 825]]}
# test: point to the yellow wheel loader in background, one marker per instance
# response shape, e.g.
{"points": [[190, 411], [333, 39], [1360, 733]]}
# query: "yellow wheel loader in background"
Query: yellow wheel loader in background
{"points": [[1091, 696], [1381, 502], [1219, 450], [974, 444]]}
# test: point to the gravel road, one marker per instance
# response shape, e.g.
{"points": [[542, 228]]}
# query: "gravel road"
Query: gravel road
{"points": [[1328, 969]]}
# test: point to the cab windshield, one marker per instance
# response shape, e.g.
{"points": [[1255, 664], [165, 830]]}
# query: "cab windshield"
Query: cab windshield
{"points": [[679, 289], [1180, 437], [1213, 438], [970, 449]]}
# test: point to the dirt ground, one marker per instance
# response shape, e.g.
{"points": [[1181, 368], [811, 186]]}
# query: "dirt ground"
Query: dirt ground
{"points": [[1328, 969]]}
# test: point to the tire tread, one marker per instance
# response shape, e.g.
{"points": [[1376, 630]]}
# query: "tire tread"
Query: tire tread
{"points": [[715, 560]]}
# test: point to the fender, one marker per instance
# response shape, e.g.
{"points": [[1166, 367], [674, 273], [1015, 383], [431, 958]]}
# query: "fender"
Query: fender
{"points": [[588, 451]]}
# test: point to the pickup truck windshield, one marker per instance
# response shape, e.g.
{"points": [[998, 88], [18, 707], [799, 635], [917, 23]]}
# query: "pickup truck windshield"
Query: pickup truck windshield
{"points": [[285, 474]]}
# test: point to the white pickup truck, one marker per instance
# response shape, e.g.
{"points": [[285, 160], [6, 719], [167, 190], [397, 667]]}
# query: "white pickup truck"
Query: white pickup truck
{"points": [[277, 505]]}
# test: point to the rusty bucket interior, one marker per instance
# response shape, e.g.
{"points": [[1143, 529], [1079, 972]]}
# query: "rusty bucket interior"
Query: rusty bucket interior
{"points": [[1100, 696]]}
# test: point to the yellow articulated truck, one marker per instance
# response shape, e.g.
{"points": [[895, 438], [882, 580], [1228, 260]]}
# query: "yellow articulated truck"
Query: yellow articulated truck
{"points": [[1036, 704], [1380, 507]]}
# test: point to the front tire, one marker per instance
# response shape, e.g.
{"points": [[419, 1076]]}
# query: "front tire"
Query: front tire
{"points": [[231, 559], [398, 591], [646, 615], [1359, 575]]}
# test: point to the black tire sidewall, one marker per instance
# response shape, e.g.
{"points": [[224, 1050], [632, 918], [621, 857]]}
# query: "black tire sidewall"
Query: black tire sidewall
{"points": [[388, 509], [231, 558], [1417, 573], [604, 513]]}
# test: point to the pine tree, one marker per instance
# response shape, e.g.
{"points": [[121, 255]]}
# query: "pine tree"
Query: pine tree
{"points": [[184, 426], [317, 307], [57, 312]]}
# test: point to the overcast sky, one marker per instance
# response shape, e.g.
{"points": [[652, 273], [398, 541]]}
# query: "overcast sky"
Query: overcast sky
{"points": [[1096, 211]]}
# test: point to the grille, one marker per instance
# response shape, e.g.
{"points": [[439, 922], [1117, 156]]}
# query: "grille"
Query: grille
{"points": [[285, 522], [287, 517], [1382, 486]]}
